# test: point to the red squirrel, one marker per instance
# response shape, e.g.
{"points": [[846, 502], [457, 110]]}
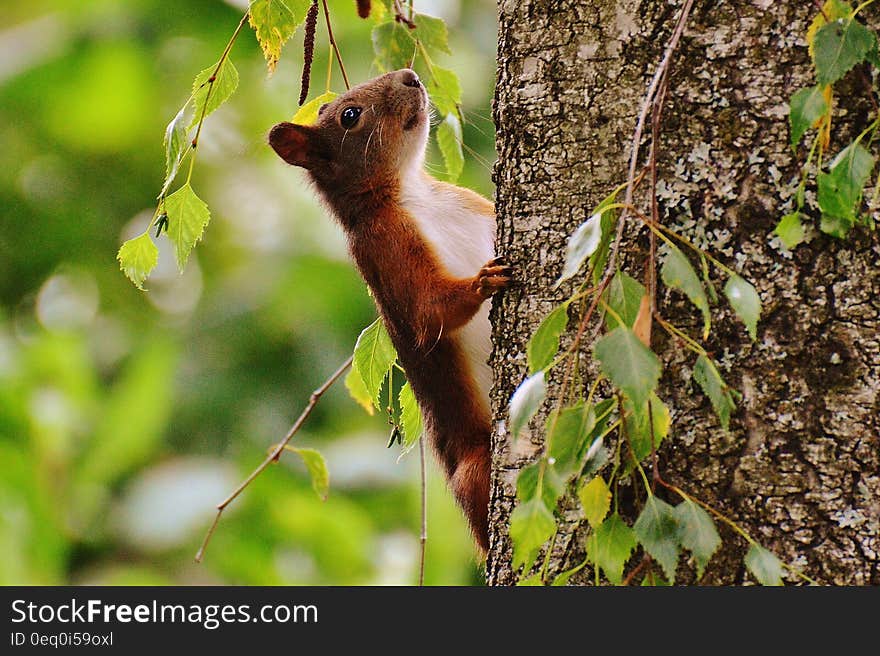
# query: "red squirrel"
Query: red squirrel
{"points": [[426, 250]]}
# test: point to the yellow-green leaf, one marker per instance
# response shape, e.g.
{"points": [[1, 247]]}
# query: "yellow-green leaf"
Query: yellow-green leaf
{"points": [[393, 45], [137, 257], [187, 217], [624, 297], [317, 468], [207, 95], [838, 46], [697, 533], [658, 531], [449, 141], [630, 365], [175, 147], [765, 566], [639, 425], [374, 355], [354, 383], [432, 32], [790, 230], [677, 272], [410, 417], [595, 500], [274, 22], [308, 113], [444, 90], [531, 525], [609, 547], [707, 376], [544, 344]]}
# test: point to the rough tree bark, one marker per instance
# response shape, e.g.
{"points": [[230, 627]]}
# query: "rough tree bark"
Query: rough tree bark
{"points": [[800, 466]]}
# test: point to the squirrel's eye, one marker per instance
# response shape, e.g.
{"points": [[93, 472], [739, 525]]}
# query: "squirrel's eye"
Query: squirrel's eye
{"points": [[349, 117]]}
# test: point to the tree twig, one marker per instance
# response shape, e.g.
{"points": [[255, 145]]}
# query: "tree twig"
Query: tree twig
{"points": [[276, 452], [640, 125], [423, 536], [334, 46]]}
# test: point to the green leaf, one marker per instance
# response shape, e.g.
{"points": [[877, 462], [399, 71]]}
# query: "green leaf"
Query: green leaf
{"points": [[609, 547], [444, 90], [707, 376], [308, 113], [638, 425], [137, 257], [544, 344], [374, 355], [657, 530], [835, 226], [653, 579], [840, 190], [552, 484], [187, 218], [607, 225], [764, 566], [354, 383], [581, 245], [449, 141], [176, 145], [393, 46], [790, 230], [525, 402], [317, 467], [432, 33], [595, 500], [531, 580], [207, 96], [274, 22], [410, 417], [807, 107], [531, 525], [630, 365], [566, 431], [838, 46], [697, 533], [677, 272], [745, 302], [563, 579], [624, 297]]}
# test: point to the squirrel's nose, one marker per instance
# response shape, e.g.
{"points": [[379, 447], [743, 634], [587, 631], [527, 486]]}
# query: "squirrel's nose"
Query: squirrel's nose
{"points": [[409, 78]]}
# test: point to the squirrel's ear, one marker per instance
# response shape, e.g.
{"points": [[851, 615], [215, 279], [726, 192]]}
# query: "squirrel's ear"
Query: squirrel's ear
{"points": [[296, 144]]}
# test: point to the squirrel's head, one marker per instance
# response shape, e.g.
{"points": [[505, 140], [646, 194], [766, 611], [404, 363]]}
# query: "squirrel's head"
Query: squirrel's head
{"points": [[363, 138]]}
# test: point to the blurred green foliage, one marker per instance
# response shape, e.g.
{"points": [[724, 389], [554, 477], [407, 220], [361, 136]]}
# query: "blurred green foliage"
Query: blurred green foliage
{"points": [[126, 416]]}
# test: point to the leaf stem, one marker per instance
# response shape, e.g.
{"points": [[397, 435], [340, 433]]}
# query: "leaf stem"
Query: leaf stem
{"points": [[334, 46], [423, 534], [211, 80], [677, 332]]}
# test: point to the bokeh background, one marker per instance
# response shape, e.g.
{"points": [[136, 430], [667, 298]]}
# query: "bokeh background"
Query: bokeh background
{"points": [[126, 416]]}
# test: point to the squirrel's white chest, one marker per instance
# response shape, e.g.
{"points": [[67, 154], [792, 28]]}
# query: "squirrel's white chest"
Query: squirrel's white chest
{"points": [[463, 240]]}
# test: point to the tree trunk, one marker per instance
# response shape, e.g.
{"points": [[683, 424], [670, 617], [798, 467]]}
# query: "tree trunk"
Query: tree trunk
{"points": [[799, 468]]}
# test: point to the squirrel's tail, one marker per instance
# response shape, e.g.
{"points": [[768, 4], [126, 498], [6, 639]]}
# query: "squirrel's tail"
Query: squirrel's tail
{"points": [[470, 485]]}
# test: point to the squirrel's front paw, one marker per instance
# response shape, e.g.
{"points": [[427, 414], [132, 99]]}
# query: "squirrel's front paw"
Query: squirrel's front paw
{"points": [[493, 277]]}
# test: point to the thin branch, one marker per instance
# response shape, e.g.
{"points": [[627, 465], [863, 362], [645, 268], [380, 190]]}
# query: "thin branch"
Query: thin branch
{"points": [[638, 568], [640, 125], [334, 46], [276, 452], [423, 536]]}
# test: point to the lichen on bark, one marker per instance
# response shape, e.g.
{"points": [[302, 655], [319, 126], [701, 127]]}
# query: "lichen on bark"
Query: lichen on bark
{"points": [[800, 466]]}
